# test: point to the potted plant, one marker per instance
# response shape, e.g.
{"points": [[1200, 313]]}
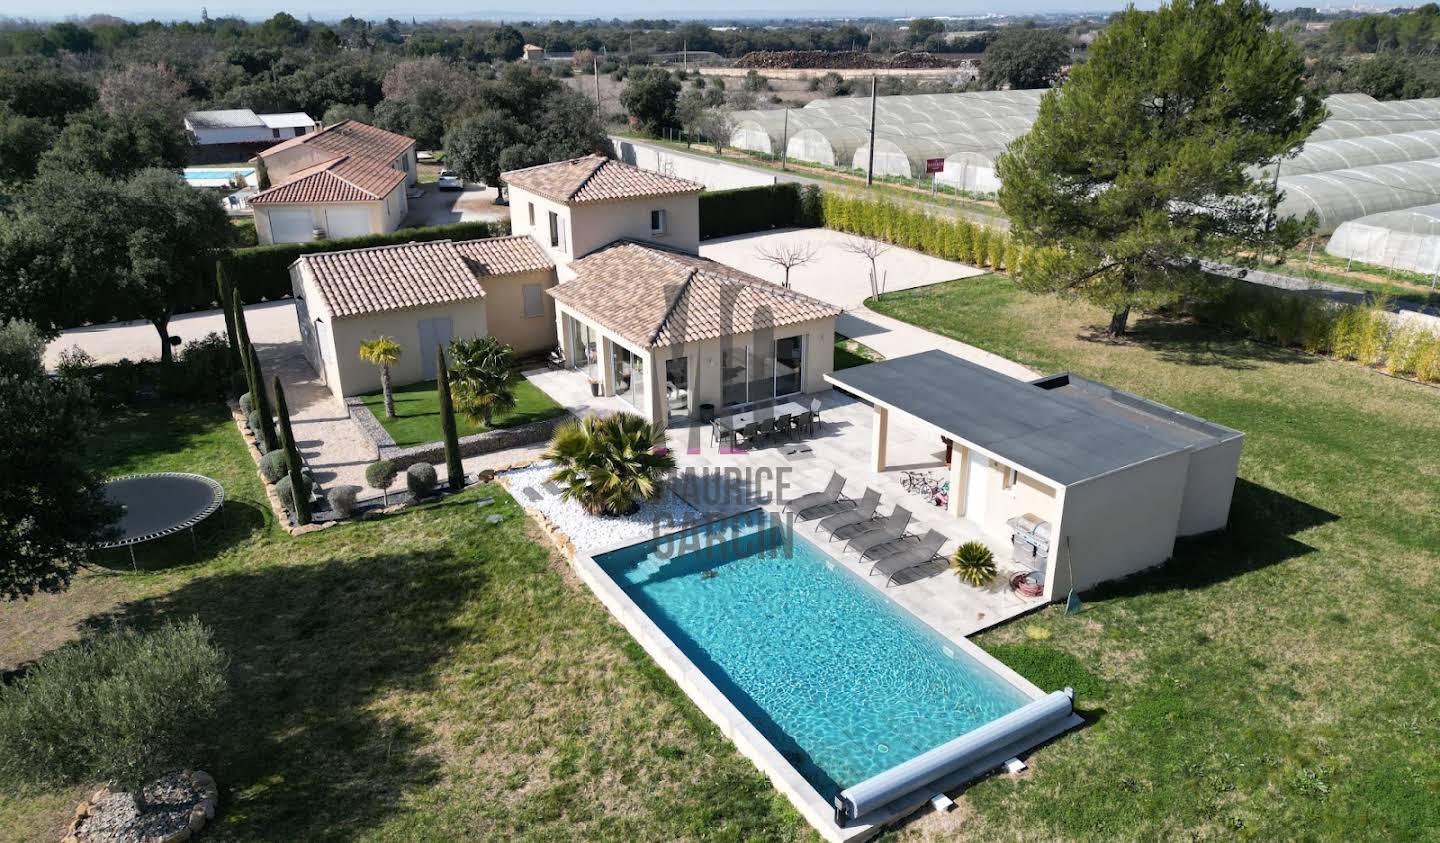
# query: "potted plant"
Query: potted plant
{"points": [[594, 388], [974, 563]]}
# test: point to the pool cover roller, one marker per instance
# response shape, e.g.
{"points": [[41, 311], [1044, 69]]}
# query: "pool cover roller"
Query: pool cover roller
{"points": [[883, 788]]}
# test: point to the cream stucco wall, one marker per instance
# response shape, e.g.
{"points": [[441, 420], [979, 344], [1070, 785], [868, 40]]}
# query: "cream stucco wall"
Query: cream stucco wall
{"points": [[1026, 496], [385, 216], [505, 311], [1209, 487], [1117, 524], [585, 228], [336, 342]]}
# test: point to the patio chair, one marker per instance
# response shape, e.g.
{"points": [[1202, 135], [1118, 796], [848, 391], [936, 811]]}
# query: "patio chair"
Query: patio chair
{"points": [[815, 411], [767, 428], [782, 424], [833, 492], [749, 432], [864, 511], [804, 421], [908, 556], [719, 431], [892, 528]]}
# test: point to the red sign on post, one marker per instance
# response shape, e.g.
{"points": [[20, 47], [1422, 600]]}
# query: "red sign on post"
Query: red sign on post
{"points": [[934, 165]]}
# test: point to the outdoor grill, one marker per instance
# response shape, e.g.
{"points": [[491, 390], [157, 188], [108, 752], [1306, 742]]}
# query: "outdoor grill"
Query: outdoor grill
{"points": [[1029, 539]]}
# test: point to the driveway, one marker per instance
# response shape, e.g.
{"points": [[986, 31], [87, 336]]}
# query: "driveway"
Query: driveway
{"points": [[437, 207], [834, 275], [843, 279], [269, 323]]}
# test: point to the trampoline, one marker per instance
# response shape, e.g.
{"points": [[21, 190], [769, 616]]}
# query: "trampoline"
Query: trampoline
{"points": [[157, 505]]}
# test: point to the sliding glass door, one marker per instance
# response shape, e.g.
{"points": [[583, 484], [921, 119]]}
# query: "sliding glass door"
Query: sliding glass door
{"points": [[750, 374]]}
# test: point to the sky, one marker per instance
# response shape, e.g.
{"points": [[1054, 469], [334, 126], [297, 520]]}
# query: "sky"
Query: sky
{"points": [[543, 10]]}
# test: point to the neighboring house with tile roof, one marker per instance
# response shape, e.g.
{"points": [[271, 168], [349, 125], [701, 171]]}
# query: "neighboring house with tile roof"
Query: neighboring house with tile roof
{"points": [[574, 207], [422, 295], [243, 126], [346, 180], [603, 262]]}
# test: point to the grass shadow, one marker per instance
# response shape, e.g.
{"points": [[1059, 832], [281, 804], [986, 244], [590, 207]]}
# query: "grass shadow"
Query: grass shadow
{"points": [[1189, 343], [312, 745], [1261, 533]]}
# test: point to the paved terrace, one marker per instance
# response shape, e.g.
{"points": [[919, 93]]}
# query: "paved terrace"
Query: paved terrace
{"points": [[717, 482]]}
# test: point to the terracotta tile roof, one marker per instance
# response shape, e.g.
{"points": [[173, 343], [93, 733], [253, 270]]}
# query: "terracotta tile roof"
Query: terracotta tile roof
{"points": [[596, 178], [384, 278], [350, 138], [658, 297], [343, 179], [504, 255]]}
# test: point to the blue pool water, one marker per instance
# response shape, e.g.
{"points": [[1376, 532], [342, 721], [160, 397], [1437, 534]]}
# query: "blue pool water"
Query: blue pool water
{"points": [[192, 174], [839, 679]]}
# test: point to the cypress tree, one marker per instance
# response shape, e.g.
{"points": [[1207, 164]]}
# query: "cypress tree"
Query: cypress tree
{"points": [[262, 404], [227, 302], [453, 467], [292, 458], [242, 340]]}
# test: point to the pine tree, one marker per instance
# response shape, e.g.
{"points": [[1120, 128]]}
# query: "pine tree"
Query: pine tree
{"points": [[1144, 161], [292, 458]]}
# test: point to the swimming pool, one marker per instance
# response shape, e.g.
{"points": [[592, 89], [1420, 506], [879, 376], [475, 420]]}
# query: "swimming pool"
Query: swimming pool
{"points": [[840, 680], [216, 176]]}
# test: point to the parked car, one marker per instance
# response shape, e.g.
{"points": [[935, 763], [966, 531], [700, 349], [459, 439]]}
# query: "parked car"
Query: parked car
{"points": [[450, 180]]}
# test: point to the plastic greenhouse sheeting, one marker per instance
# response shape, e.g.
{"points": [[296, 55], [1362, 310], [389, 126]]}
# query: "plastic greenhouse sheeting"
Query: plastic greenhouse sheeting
{"points": [[1405, 239], [1339, 196]]}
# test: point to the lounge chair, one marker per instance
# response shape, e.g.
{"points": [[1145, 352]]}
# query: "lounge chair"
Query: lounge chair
{"points": [[832, 492], [864, 511], [892, 528], [908, 556], [842, 506]]}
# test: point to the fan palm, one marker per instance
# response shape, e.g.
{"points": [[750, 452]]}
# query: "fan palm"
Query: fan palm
{"points": [[482, 377], [383, 352], [610, 464]]}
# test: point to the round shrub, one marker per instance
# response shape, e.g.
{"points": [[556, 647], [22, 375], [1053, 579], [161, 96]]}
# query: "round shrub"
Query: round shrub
{"points": [[123, 707], [974, 563], [287, 495], [342, 500], [252, 418], [420, 479], [247, 404], [380, 474], [273, 466]]}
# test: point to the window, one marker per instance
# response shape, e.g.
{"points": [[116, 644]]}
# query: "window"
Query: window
{"points": [[554, 230], [534, 300], [1011, 478], [789, 364], [733, 365], [274, 133], [299, 130], [657, 223], [532, 214]]}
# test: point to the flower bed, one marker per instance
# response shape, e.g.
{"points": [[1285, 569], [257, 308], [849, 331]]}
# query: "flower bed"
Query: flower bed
{"points": [[530, 486]]}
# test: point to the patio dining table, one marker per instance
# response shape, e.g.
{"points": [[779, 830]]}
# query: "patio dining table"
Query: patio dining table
{"points": [[738, 421]]}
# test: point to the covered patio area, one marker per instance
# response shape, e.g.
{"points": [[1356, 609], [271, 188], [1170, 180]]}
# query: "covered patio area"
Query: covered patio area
{"points": [[1098, 481]]}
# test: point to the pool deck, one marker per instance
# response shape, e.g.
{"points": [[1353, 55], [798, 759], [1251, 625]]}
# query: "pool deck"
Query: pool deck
{"points": [[716, 482]]}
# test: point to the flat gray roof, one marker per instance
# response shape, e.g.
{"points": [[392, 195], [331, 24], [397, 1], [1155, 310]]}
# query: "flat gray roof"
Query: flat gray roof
{"points": [[1063, 427]]}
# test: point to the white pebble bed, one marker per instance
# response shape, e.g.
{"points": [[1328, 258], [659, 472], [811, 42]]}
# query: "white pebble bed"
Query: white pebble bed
{"points": [[654, 518]]}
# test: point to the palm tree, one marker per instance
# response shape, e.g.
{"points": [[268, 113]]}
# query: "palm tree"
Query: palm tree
{"points": [[383, 352], [482, 377], [610, 464]]}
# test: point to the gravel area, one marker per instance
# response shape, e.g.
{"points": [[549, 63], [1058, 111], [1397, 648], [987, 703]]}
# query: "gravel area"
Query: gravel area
{"points": [[531, 488], [116, 818]]}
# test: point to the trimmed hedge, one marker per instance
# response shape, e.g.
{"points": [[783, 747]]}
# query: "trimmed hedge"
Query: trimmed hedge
{"points": [[727, 212], [262, 273]]}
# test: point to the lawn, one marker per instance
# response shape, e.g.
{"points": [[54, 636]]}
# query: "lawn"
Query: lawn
{"points": [[417, 412], [1275, 681], [850, 353], [427, 676]]}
